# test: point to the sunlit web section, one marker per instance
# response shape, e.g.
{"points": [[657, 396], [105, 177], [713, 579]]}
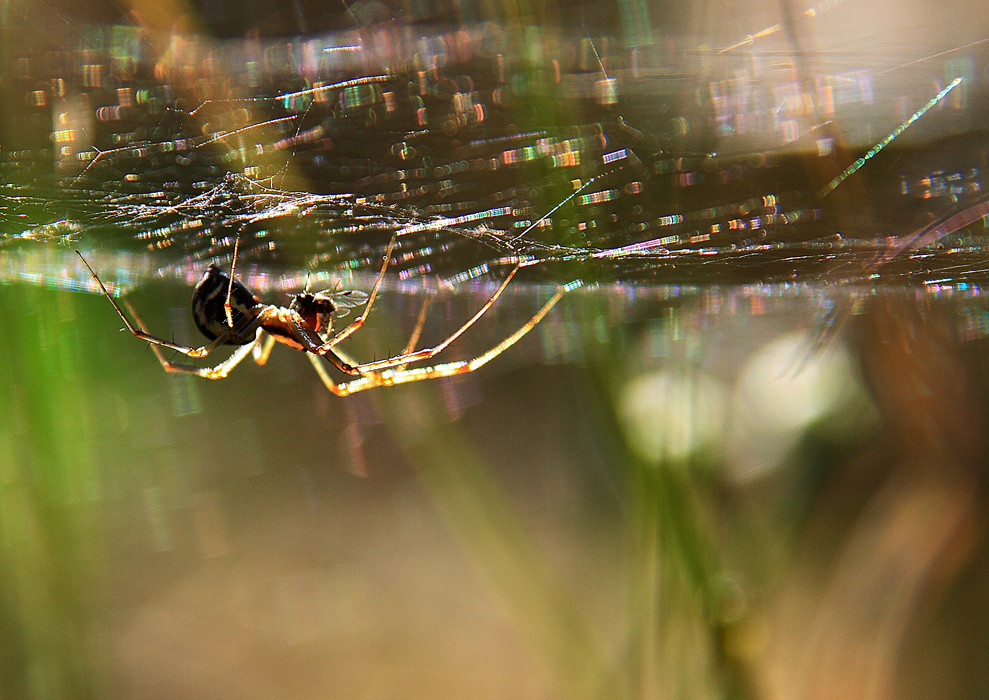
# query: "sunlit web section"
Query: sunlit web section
{"points": [[660, 156]]}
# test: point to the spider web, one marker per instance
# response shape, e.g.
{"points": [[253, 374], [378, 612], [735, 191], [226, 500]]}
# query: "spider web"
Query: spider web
{"points": [[476, 166]]}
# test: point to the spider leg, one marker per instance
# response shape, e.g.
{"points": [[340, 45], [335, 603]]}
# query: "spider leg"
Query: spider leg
{"points": [[426, 353], [317, 362], [359, 321], [227, 309], [417, 330], [263, 350], [219, 371], [328, 382], [311, 342], [401, 375], [341, 354], [138, 330]]}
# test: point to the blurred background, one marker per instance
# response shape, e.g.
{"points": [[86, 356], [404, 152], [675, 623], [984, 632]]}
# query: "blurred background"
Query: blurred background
{"points": [[744, 456]]}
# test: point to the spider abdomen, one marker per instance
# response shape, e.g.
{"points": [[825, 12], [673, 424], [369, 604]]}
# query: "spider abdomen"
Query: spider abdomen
{"points": [[315, 309], [208, 311]]}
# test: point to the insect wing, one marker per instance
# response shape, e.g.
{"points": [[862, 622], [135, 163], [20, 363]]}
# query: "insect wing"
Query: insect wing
{"points": [[344, 300]]}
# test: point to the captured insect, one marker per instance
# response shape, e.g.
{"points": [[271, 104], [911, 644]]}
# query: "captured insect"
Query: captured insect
{"points": [[228, 313]]}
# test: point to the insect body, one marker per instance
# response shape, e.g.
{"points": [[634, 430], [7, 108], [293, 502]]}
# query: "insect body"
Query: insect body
{"points": [[228, 313]]}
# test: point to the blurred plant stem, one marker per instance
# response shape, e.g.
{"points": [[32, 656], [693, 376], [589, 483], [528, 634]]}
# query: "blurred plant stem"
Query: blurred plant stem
{"points": [[674, 636], [48, 503], [479, 515]]}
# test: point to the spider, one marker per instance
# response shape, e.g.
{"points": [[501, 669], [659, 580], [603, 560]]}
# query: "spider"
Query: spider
{"points": [[228, 313]]}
